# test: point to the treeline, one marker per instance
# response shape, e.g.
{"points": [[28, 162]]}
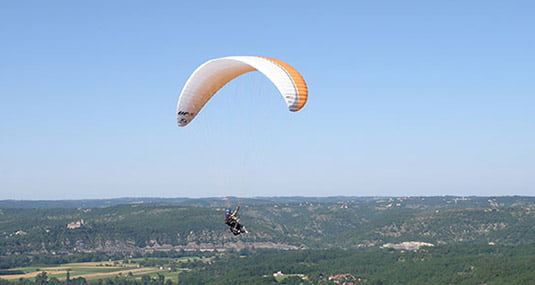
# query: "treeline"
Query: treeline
{"points": [[42, 279], [429, 201], [13, 261], [481, 264]]}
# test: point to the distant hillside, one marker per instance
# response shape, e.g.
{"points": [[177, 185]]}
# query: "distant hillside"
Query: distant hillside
{"points": [[86, 203], [438, 201], [146, 224]]}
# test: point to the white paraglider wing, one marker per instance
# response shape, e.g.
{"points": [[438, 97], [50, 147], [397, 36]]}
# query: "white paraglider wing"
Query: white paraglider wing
{"points": [[211, 76]]}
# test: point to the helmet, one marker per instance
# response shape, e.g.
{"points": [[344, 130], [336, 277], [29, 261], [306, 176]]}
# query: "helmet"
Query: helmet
{"points": [[227, 210]]}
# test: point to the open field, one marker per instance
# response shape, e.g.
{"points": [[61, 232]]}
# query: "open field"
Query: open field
{"points": [[87, 270]]}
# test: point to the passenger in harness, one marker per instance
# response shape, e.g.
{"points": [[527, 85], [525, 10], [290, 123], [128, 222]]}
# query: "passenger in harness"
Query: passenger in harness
{"points": [[233, 221]]}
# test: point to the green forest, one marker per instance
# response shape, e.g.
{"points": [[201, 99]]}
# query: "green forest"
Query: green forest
{"points": [[333, 240], [460, 264]]}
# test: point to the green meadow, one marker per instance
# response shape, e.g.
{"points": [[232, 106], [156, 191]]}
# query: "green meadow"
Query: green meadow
{"points": [[99, 270]]}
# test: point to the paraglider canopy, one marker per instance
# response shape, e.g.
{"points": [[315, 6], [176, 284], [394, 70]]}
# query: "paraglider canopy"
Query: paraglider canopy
{"points": [[211, 76]]}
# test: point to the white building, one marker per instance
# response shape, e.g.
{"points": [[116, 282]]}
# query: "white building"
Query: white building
{"points": [[76, 225]]}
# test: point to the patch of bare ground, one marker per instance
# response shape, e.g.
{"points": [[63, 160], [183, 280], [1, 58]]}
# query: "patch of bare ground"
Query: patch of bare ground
{"points": [[137, 271]]}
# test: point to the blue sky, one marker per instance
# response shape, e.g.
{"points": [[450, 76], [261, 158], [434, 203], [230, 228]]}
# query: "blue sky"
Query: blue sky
{"points": [[405, 98]]}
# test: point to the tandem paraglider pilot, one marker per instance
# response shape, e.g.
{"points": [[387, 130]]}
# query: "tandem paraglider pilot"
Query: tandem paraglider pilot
{"points": [[233, 221]]}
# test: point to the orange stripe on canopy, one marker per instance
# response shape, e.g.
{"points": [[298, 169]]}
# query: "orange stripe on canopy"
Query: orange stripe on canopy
{"points": [[299, 82]]}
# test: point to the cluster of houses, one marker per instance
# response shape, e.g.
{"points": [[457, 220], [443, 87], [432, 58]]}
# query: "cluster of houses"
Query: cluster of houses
{"points": [[18, 233], [343, 279], [74, 225], [407, 245]]}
